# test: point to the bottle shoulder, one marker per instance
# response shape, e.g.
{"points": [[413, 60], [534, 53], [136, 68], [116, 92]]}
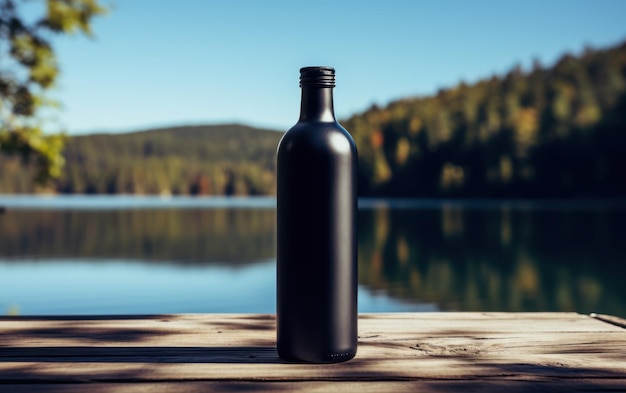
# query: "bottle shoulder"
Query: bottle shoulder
{"points": [[322, 136]]}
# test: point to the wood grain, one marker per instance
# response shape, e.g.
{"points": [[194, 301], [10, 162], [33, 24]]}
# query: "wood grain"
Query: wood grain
{"points": [[397, 352]]}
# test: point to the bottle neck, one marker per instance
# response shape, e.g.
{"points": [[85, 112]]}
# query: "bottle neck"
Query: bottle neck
{"points": [[317, 104]]}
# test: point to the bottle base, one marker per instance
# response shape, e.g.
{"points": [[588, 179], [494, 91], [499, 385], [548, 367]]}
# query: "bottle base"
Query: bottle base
{"points": [[330, 358]]}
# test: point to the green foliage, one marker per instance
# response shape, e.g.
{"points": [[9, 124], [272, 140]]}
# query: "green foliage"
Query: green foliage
{"points": [[548, 132], [44, 150], [29, 70], [210, 160]]}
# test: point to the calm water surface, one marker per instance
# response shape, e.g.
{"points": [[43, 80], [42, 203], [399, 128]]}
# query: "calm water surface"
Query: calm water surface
{"points": [[122, 255]]}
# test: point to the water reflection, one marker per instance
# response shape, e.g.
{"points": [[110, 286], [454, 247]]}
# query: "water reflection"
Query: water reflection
{"points": [[451, 257], [179, 236], [497, 259]]}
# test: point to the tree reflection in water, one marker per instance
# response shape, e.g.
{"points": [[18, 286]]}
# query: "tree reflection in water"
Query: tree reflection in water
{"points": [[497, 259], [179, 236], [460, 258]]}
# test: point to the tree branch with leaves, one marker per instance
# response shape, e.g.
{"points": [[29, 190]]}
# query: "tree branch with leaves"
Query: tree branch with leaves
{"points": [[28, 68]]}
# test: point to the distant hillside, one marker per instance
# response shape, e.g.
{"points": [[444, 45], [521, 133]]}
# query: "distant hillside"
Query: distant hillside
{"points": [[220, 159], [546, 132]]}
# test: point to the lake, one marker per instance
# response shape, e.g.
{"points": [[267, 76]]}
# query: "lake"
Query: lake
{"points": [[153, 255]]}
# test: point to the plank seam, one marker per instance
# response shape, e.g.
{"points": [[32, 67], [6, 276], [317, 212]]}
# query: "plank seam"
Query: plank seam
{"points": [[492, 378], [611, 321]]}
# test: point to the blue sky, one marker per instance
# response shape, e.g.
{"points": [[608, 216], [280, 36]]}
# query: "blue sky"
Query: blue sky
{"points": [[156, 63]]}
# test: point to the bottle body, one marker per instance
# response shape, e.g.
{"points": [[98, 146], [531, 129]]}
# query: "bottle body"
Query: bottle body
{"points": [[316, 242]]}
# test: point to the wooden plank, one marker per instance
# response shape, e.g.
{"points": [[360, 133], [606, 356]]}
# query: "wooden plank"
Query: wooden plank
{"points": [[428, 386], [434, 347], [613, 320]]}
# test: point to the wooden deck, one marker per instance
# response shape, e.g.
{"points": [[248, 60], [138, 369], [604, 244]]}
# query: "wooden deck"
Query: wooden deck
{"points": [[417, 352]]}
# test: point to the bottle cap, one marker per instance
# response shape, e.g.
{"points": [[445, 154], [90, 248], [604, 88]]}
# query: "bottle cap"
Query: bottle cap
{"points": [[317, 76]]}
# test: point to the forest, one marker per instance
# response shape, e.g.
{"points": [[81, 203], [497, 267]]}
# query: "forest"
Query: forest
{"points": [[545, 132], [194, 160]]}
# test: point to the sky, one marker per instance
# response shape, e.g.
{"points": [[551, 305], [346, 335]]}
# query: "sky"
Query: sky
{"points": [[158, 63]]}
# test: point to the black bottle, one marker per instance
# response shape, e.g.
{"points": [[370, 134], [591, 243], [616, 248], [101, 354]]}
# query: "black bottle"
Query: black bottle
{"points": [[316, 230]]}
